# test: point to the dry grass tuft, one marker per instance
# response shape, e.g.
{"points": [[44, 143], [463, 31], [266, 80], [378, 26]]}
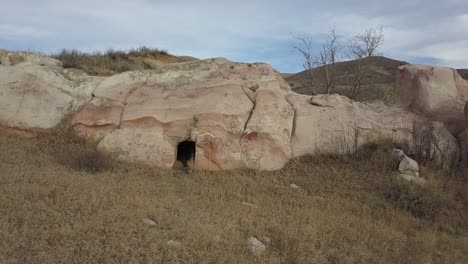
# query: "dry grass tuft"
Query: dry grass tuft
{"points": [[349, 209], [114, 61]]}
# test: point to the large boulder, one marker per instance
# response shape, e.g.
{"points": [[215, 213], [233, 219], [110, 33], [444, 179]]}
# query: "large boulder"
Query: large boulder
{"points": [[236, 114], [36, 92], [436, 92], [335, 124]]}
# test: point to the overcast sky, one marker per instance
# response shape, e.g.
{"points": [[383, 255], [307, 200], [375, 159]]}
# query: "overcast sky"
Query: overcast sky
{"points": [[430, 31]]}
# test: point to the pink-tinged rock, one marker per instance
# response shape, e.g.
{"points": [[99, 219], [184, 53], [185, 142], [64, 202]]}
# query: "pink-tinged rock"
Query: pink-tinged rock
{"points": [[142, 143], [37, 93], [266, 143], [436, 92], [98, 118]]}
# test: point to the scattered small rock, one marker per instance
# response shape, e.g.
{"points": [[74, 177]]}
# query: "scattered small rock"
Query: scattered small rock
{"points": [[251, 205], [294, 186], [408, 166], [255, 246], [173, 243], [266, 240], [149, 222]]}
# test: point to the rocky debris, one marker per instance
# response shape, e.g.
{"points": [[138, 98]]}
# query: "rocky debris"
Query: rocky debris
{"points": [[250, 205], [439, 93], [174, 244], [294, 186], [408, 166], [255, 247], [149, 222]]}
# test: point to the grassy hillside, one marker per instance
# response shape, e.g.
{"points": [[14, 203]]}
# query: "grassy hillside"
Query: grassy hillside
{"points": [[61, 202], [378, 83], [116, 61]]}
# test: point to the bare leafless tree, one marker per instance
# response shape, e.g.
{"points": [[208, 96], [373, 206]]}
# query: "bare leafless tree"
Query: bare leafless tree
{"points": [[328, 57], [361, 47], [304, 47]]}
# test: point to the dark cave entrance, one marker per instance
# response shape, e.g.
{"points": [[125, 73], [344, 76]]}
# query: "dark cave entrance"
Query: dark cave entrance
{"points": [[186, 152]]}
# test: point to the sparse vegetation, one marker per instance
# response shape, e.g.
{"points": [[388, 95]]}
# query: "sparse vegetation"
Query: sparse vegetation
{"points": [[349, 209], [331, 76], [362, 46], [116, 61], [304, 47], [378, 83]]}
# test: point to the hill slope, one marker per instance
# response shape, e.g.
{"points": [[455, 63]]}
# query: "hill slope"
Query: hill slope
{"points": [[463, 73], [377, 84]]}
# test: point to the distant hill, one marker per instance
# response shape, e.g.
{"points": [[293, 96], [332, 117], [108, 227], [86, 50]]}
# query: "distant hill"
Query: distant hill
{"points": [[378, 83], [463, 73]]}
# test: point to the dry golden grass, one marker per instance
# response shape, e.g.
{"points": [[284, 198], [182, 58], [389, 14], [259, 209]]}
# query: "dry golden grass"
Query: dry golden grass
{"points": [[59, 203], [117, 61]]}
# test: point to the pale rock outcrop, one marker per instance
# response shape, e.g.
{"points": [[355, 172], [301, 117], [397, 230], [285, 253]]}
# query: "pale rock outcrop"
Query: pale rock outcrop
{"points": [[336, 124], [439, 93], [236, 115], [209, 102], [272, 113], [36, 92]]}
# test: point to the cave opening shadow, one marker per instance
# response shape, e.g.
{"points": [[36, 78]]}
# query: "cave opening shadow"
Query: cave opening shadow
{"points": [[186, 152]]}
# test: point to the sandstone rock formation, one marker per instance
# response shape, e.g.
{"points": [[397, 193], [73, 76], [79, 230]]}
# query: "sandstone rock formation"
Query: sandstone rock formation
{"points": [[336, 124], [235, 115], [36, 92], [436, 92]]}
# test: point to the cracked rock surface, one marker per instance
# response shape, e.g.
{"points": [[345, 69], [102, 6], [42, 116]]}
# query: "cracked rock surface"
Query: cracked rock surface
{"points": [[238, 115]]}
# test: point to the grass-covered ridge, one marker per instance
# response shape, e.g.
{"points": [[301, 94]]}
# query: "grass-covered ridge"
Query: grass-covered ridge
{"points": [[116, 61], [61, 202]]}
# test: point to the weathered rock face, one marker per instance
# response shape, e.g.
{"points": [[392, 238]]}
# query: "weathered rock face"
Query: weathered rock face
{"points": [[235, 115], [436, 92], [36, 92], [336, 124]]}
